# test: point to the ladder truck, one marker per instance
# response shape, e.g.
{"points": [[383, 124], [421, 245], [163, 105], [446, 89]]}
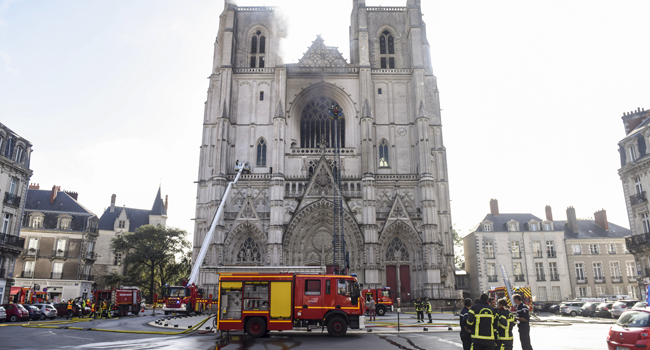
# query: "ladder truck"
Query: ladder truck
{"points": [[188, 298]]}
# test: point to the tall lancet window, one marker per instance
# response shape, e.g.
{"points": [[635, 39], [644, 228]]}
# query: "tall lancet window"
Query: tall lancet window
{"points": [[387, 50], [249, 252], [383, 153], [316, 125], [261, 152], [258, 50]]}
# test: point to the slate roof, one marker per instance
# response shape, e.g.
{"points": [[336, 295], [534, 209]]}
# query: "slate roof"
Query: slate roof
{"points": [[501, 220], [39, 200], [137, 217], [587, 229]]}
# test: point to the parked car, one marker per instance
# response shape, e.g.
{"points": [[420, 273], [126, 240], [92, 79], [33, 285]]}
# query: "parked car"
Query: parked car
{"points": [[621, 306], [34, 312], [588, 309], [47, 310], [3, 314], [571, 308], [603, 309], [631, 331], [16, 312], [640, 305], [554, 309], [537, 306], [62, 310]]}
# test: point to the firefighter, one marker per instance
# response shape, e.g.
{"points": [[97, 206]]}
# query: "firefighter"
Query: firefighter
{"points": [[523, 316], [69, 308], [101, 314], [465, 332], [92, 311], [427, 309], [419, 310], [506, 324], [482, 320]]}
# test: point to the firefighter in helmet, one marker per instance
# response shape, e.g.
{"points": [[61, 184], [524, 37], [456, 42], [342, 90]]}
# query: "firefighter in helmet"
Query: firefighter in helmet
{"points": [[483, 320]]}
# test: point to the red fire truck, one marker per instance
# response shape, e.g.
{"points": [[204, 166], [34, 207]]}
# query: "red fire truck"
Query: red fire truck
{"points": [[185, 299], [383, 299], [23, 295], [259, 303], [121, 301]]}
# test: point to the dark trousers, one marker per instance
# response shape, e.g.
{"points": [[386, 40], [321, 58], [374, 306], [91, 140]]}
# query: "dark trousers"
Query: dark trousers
{"points": [[467, 343], [482, 344], [504, 344], [524, 337], [420, 315], [430, 319]]}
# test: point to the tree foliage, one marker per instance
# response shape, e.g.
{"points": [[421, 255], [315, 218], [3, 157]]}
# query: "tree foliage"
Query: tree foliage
{"points": [[459, 250], [151, 257]]}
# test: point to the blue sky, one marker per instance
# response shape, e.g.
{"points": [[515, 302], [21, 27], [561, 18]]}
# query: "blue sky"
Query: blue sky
{"points": [[111, 95]]}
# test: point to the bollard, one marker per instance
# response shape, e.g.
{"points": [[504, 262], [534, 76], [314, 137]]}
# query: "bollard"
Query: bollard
{"points": [[175, 326], [426, 329]]}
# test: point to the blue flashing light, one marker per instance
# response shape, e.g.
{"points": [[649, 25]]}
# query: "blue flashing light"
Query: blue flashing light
{"points": [[354, 275]]}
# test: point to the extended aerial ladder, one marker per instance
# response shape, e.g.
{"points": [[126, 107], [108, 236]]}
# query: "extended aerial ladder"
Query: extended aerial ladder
{"points": [[240, 166]]}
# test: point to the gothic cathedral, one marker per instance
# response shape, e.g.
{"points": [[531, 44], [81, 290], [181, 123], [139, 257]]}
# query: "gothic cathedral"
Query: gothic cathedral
{"points": [[396, 208]]}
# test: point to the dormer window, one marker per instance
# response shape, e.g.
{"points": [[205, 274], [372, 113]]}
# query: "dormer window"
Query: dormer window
{"points": [[63, 222], [533, 227], [386, 50], [632, 153], [19, 154], [513, 226], [36, 220], [121, 224], [257, 50], [487, 227]]}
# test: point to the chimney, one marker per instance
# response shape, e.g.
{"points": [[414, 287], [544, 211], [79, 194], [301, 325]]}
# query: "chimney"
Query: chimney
{"points": [[74, 195], [601, 219], [166, 202], [633, 119], [549, 213], [571, 220], [55, 189], [494, 207], [113, 197], [34, 186]]}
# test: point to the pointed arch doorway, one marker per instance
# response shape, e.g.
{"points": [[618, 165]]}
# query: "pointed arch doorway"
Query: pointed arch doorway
{"points": [[398, 269]]}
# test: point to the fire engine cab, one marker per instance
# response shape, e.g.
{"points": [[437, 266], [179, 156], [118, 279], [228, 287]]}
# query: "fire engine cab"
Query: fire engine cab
{"points": [[383, 299], [258, 303]]}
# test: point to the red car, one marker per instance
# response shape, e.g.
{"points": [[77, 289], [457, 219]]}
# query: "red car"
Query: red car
{"points": [[16, 312], [632, 331]]}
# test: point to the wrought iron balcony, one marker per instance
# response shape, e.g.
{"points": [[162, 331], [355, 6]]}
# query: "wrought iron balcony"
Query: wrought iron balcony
{"points": [[551, 253], [12, 240], [27, 274], [617, 279], [493, 278], [520, 278], [581, 280], [56, 275], [599, 279], [631, 279], [636, 242], [638, 198], [540, 277], [555, 277], [12, 200]]}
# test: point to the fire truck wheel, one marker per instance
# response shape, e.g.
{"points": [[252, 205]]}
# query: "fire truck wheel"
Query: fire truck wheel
{"points": [[256, 327], [381, 311], [337, 327]]}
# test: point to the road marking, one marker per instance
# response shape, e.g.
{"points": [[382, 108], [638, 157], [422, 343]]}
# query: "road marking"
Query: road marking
{"points": [[69, 336]]}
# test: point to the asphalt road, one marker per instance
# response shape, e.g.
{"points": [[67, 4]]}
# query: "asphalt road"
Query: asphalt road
{"points": [[575, 336]]}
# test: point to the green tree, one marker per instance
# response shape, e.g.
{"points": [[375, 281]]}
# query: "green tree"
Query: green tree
{"points": [[148, 250], [459, 250]]}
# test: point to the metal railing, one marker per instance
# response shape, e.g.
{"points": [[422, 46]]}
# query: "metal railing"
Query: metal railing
{"points": [[12, 240], [493, 278], [59, 253], [541, 277], [537, 254], [56, 275], [634, 242], [581, 280], [12, 199], [520, 278], [27, 274], [599, 279], [631, 279], [555, 277], [638, 198], [551, 253], [617, 279]]}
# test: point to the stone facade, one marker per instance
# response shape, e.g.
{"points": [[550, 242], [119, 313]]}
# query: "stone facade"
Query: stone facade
{"points": [[635, 177], [15, 157], [116, 221], [274, 115], [531, 249], [60, 236]]}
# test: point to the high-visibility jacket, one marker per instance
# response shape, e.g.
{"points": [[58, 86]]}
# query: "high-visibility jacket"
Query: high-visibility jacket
{"points": [[70, 305], [427, 307], [506, 324], [92, 308], [483, 319], [418, 306]]}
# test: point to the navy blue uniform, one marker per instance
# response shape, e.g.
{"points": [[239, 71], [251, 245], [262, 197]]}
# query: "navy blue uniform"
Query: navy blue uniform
{"points": [[465, 337], [524, 327]]}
